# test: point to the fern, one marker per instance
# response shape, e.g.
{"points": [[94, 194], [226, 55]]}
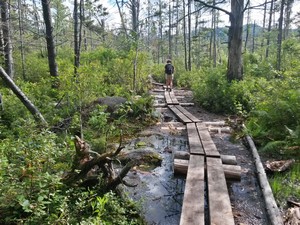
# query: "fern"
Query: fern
{"points": [[273, 146]]}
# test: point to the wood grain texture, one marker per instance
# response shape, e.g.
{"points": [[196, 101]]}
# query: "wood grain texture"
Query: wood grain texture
{"points": [[193, 200], [218, 198]]}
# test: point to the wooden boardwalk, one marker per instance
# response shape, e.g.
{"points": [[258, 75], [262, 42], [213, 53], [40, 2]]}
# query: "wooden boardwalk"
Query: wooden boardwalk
{"points": [[205, 178]]}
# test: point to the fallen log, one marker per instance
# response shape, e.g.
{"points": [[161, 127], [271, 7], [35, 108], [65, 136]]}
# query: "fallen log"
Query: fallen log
{"points": [[232, 172], [219, 129], [271, 206], [215, 123], [226, 159]]}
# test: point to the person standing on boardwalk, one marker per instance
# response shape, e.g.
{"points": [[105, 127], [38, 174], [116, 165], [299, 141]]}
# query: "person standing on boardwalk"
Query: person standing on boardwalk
{"points": [[169, 73]]}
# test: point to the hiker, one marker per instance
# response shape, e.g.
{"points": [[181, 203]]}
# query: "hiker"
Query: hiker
{"points": [[169, 71]]}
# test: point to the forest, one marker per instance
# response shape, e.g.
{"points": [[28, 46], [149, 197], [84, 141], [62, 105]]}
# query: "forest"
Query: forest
{"points": [[61, 60]]}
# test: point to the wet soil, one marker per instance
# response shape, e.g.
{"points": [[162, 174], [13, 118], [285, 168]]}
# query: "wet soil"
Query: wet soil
{"points": [[159, 193]]}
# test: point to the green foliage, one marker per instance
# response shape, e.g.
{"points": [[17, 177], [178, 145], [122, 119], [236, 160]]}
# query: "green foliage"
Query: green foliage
{"points": [[213, 92], [275, 112], [31, 176], [36, 67], [33, 161], [286, 185], [138, 108], [110, 210]]}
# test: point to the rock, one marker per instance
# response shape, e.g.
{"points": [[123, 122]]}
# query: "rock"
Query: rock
{"points": [[112, 103], [144, 156]]}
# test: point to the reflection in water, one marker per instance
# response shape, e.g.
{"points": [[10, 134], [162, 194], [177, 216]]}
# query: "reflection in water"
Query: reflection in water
{"points": [[159, 193]]}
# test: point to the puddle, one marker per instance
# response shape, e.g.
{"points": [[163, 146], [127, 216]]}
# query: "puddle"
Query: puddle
{"points": [[158, 192]]}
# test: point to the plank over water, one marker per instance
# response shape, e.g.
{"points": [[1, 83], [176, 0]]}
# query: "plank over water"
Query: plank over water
{"points": [[179, 114], [220, 210], [188, 114], [194, 140], [193, 200], [209, 146]]}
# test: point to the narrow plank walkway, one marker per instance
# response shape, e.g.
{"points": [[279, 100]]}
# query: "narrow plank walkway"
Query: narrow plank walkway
{"points": [[220, 212], [183, 118], [205, 181], [170, 98], [194, 214], [195, 144]]}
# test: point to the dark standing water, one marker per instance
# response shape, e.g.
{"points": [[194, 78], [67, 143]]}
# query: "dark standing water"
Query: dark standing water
{"points": [[159, 193]]}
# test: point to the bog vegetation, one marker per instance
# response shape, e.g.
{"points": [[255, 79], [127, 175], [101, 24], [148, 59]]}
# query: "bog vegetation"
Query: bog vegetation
{"points": [[35, 159]]}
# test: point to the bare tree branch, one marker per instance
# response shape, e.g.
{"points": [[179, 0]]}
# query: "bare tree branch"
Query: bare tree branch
{"points": [[214, 7]]}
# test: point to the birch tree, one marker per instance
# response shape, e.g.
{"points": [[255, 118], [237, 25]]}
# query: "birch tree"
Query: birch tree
{"points": [[6, 31]]}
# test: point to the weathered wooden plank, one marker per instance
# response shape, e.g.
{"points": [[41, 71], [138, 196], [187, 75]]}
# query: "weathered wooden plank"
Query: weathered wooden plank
{"points": [[193, 200], [194, 140], [220, 210], [179, 114], [231, 172], [188, 114], [173, 98], [226, 159], [209, 146], [168, 98]]}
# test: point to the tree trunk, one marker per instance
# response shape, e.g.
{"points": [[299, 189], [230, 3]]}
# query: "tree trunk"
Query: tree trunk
{"points": [[27, 103], [8, 58], [170, 33], [177, 27], [247, 30], [264, 26], [253, 37], [184, 37], [189, 36], [21, 32], [160, 43], [280, 32], [287, 18], [49, 39], [76, 39], [214, 46], [235, 63], [269, 28]]}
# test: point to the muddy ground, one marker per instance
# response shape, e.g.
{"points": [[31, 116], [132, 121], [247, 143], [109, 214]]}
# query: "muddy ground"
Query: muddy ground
{"points": [[160, 193]]}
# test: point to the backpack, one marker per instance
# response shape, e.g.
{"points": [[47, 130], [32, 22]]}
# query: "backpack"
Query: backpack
{"points": [[169, 69]]}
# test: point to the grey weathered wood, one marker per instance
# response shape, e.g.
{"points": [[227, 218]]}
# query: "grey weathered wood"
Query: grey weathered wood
{"points": [[220, 210], [188, 114], [209, 146], [226, 159], [173, 98], [168, 98], [231, 172], [179, 114], [194, 140], [193, 200], [272, 209]]}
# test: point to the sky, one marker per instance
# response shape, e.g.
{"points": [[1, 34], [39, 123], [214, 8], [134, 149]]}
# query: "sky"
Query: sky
{"points": [[256, 16]]}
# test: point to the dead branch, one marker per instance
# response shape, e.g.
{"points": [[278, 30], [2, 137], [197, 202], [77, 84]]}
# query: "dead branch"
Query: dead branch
{"points": [[85, 167]]}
